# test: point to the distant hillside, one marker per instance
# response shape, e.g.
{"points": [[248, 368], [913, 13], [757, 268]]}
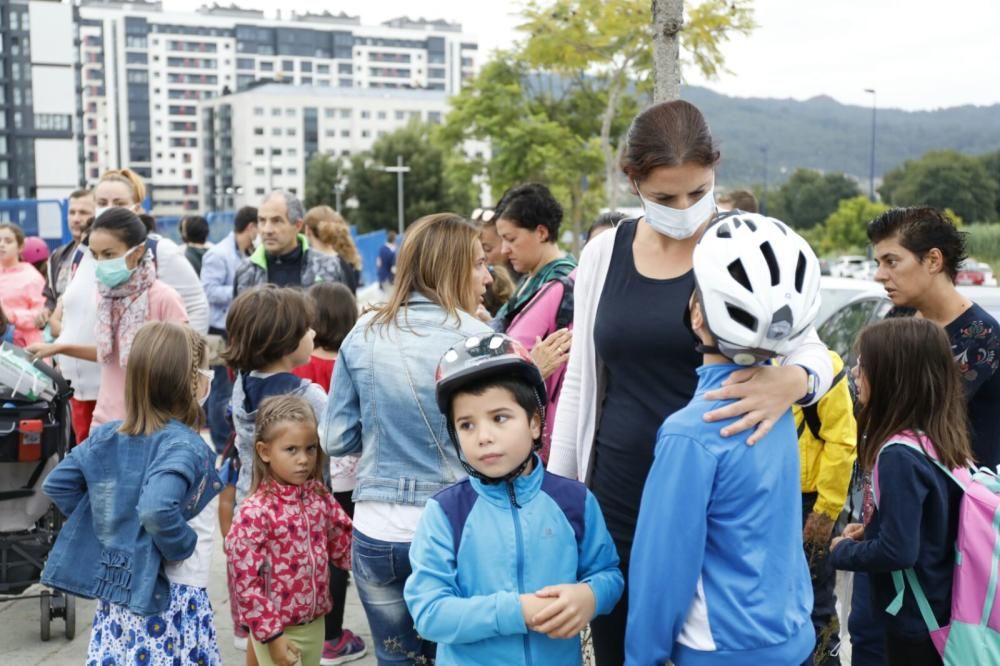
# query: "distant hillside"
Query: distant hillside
{"points": [[824, 134]]}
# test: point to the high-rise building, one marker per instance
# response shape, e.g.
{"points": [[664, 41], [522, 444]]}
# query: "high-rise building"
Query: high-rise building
{"points": [[146, 70], [39, 109]]}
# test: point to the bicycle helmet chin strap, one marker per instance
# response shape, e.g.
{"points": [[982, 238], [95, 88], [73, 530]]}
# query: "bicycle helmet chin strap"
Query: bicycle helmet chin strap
{"points": [[707, 349]]}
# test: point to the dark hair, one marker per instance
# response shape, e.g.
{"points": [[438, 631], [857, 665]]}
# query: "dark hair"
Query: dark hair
{"points": [[16, 230], [244, 218], [741, 200], [920, 230], [927, 396], [4, 322], [336, 312], [79, 194], [390, 236], [264, 325], [123, 224], [608, 219], [667, 135], [532, 205], [149, 221], [194, 229], [523, 393]]}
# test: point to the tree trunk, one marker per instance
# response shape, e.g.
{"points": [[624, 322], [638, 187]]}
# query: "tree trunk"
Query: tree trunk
{"points": [[576, 215], [668, 19]]}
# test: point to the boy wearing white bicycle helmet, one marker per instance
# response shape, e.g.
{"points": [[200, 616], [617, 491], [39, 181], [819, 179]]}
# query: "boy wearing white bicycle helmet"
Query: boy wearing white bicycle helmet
{"points": [[718, 573]]}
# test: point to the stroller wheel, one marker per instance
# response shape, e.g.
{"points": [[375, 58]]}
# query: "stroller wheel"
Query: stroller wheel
{"points": [[46, 615], [70, 616]]}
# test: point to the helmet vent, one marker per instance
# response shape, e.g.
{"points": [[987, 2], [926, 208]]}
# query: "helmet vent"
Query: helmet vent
{"points": [[800, 272], [750, 224], [742, 317], [772, 262], [739, 274], [723, 231]]}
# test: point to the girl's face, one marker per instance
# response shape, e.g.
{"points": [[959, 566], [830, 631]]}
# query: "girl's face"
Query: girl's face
{"points": [[105, 245], [492, 245], [115, 194], [481, 278], [860, 381], [9, 248], [292, 453], [305, 349], [522, 247]]}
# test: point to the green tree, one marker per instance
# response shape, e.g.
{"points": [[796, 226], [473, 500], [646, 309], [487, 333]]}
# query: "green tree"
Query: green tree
{"points": [[603, 48], [808, 197], [846, 229], [944, 179], [991, 161], [431, 186], [323, 173]]}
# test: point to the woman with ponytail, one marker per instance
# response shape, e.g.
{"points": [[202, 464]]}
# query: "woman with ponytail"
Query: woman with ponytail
{"points": [[328, 233]]}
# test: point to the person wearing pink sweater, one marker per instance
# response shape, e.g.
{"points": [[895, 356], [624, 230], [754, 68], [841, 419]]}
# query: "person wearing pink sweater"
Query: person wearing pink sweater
{"points": [[21, 287]]}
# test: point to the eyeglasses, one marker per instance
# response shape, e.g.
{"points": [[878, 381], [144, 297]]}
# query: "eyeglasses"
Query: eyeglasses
{"points": [[483, 214]]}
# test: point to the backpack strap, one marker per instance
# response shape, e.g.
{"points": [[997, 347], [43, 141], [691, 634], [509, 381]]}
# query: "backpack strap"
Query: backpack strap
{"points": [[910, 577], [564, 314], [810, 413]]}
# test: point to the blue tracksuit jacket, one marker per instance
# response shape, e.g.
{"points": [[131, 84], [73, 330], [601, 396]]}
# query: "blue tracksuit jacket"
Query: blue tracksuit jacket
{"points": [[718, 574], [475, 553]]}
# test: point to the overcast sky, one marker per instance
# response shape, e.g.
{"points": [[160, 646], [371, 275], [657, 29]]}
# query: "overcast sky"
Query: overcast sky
{"points": [[917, 54]]}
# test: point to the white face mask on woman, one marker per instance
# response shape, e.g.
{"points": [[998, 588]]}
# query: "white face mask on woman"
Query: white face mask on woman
{"points": [[678, 223]]}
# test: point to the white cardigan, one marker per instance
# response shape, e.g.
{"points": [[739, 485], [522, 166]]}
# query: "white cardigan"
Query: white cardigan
{"points": [[575, 423]]}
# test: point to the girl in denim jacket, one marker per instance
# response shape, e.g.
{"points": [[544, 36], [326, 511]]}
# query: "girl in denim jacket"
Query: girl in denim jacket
{"points": [[284, 536], [132, 493]]}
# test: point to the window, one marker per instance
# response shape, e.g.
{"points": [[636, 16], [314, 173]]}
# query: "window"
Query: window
{"points": [[276, 152], [258, 111], [266, 66], [275, 131], [258, 131], [331, 133], [841, 330], [365, 134], [366, 114], [306, 81], [290, 112], [400, 115], [345, 134], [290, 131], [292, 171], [434, 116], [345, 83], [305, 66], [287, 65], [330, 113], [292, 152], [382, 115], [244, 63], [322, 69], [276, 112], [53, 122], [258, 171], [258, 152]]}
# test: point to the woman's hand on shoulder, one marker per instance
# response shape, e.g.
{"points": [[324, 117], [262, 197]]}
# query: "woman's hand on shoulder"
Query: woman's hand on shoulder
{"points": [[549, 354], [762, 395]]}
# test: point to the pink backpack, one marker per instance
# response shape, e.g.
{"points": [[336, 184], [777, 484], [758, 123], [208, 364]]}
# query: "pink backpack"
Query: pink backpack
{"points": [[972, 635]]}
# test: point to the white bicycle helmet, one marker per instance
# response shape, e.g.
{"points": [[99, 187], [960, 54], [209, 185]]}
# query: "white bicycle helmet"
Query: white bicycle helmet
{"points": [[758, 286]]}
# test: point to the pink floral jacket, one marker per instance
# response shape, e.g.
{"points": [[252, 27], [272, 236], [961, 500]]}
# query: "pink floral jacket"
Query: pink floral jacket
{"points": [[282, 538]]}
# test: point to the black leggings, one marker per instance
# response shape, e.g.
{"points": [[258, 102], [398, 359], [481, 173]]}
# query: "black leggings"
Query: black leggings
{"points": [[911, 652], [334, 620]]}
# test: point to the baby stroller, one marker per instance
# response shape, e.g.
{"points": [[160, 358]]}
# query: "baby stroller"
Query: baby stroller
{"points": [[35, 432]]}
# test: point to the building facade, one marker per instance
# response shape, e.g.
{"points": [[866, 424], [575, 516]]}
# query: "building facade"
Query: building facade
{"points": [[39, 105], [262, 139], [145, 72]]}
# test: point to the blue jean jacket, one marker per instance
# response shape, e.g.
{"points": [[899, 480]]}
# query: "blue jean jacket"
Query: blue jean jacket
{"points": [[382, 404], [127, 500]]}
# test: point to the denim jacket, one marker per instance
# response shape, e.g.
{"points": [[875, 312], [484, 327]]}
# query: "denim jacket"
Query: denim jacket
{"points": [[382, 404], [127, 500]]}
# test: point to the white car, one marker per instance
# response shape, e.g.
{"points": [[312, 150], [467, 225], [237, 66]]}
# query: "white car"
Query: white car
{"points": [[846, 266]]}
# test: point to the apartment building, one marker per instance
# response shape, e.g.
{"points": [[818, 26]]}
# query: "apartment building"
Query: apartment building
{"points": [[39, 121], [145, 71]]}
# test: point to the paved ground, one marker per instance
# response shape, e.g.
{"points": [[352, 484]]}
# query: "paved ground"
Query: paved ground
{"points": [[19, 628]]}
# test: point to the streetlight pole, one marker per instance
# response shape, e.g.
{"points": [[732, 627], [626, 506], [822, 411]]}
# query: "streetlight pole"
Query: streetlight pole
{"points": [[763, 193], [871, 164], [399, 170]]}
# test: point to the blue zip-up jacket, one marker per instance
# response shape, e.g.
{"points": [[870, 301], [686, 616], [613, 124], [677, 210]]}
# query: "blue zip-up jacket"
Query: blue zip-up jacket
{"points": [[718, 574], [475, 553]]}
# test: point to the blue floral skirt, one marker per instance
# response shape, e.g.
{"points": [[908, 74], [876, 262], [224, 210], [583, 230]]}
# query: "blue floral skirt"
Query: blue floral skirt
{"points": [[183, 635]]}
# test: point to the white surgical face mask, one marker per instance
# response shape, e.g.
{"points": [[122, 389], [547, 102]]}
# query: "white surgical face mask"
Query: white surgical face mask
{"points": [[678, 223]]}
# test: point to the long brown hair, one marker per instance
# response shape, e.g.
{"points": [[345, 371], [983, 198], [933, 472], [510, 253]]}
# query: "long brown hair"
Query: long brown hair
{"points": [[273, 413], [161, 378], [913, 384], [436, 260], [326, 225]]}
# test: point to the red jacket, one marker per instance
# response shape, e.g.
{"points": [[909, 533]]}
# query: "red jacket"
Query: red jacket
{"points": [[277, 552]]}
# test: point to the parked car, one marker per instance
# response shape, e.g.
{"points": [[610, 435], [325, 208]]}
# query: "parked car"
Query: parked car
{"points": [[847, 265], [850, 305], [972, 272]]}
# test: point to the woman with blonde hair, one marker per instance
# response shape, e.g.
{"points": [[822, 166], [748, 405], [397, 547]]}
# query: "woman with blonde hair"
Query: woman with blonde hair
{"points": [[382, 406], [328, 233]]}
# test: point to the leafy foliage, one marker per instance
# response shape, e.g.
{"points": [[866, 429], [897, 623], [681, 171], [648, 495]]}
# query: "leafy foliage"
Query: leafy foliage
{"points": [[809, 197], [845, 230], [943, 179]]}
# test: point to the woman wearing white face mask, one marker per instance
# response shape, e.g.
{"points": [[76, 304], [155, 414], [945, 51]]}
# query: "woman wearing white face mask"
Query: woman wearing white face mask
{"points": [[633, 358], [129, 295]]}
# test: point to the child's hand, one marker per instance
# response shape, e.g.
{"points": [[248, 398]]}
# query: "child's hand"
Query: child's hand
{"points": [[854, 532], [283, 652], [532, 605], [566, 616]]}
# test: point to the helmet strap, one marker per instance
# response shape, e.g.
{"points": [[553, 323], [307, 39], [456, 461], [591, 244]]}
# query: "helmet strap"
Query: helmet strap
{"points": [[707, 349]]}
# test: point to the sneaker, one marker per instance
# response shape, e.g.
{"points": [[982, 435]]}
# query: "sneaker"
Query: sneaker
{"points": [[348, 648], [240, 643]]}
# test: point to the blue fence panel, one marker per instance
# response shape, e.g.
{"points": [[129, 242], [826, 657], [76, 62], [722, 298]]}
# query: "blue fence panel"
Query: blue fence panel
{"points": [[368, 247], [45, 218]]}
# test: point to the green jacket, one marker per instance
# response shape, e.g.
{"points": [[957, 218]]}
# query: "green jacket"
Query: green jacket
{"points": [[316, 267]]}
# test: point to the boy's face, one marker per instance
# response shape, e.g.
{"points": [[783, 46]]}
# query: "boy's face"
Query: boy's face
{"points": [[495, 433]]}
